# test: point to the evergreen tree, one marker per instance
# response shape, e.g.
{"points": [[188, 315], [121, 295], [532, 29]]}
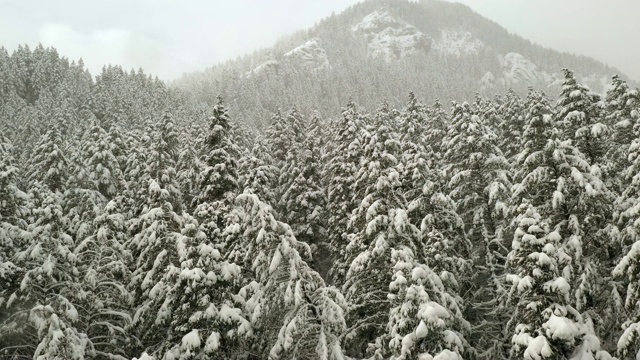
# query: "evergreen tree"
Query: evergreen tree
{"points": [[103, 262], [154, 249], [479, 182], [293, 314], [426, 319], [44, 308], [341, 166], [546, 325], [48, 163], [199, 308], [579, 115], [218, 183]]}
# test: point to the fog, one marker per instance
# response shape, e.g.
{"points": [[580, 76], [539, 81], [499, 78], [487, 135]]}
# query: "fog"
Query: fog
{"points": [[168, 38]]}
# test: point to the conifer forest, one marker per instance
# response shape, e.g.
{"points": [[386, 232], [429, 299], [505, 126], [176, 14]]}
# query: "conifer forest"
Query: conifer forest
{"points": [[139, 222]]}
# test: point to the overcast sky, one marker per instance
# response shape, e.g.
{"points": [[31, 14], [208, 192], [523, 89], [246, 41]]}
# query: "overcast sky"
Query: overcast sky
{"points": [[169, 37]]}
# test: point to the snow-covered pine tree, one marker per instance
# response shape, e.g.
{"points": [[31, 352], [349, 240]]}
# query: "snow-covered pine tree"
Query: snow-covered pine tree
{"points": [[43, 310], [545, 325], [342, 163], [293, 313], [479, 182], [303, 204], [48, 163], [425, 320], [555, 178], [280, 136], [378, 225], [161, 162], [416, 154], [257, 173], [154, 248], [102, 166], [627, 269], [103, 263], [623, 118], [511, 111], [579, 114], [199, 307], [218, 184], [186, 166], [12, 215], [436, 127]]}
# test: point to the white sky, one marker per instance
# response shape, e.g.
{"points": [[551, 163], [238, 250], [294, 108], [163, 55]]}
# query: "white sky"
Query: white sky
{"points": [[169, 37]]}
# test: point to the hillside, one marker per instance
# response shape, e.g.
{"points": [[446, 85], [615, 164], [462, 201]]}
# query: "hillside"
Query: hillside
{"points": [[382, 49]]}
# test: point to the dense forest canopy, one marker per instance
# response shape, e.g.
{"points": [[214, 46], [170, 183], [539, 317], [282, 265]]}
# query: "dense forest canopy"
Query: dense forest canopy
{"points": [[303, 214], [133, 222]]}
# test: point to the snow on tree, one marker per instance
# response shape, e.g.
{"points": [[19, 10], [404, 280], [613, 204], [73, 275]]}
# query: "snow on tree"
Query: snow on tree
{"points": [[186, 166], [218, 182], [101, 164], [579, 115], [199, 307], [425, 320], [511, 111], [292, 312], [556, 178], [103, 262], [154, 248], [544, 324], [161, 162], [303, 203], [43, 309], [378, 225], [12, 214], [622, 117], [479, 182], [342, 163], [48, 163], [257, 173]]}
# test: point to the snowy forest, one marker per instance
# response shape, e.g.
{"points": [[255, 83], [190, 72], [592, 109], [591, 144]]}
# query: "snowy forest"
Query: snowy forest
{"points": [[137, 222]]}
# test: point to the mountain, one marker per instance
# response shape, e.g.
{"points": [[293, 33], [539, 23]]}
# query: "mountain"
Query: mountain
{"points": [[380, 50]]}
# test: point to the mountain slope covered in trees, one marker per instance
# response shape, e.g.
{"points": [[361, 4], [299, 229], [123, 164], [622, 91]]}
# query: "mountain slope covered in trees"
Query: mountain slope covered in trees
{"points": [[377, 51]]}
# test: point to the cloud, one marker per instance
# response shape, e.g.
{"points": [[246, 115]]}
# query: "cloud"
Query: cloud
{"points": [[108, 46]]}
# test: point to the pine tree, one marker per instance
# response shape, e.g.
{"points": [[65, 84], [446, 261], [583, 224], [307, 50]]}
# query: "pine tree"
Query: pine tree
{"points": [[44, 312], [199, 308], [257, 173], [101, 164], [378, 225], [546, 325], [341, 166], [579, 115], [426, 318], [103, 262], [154, 250], [218, 182], [293, 314], [556, 178], [303, 204], [479, 182], [48, 163]]}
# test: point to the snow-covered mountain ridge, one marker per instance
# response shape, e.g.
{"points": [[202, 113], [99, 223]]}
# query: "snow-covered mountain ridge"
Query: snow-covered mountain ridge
{"points": [[379, 50]]}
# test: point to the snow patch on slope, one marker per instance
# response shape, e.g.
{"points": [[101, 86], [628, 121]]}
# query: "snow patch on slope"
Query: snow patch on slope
{"points": [[457, 43], [270, 64], [310, 53], [516, 71], [388, 37]]}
